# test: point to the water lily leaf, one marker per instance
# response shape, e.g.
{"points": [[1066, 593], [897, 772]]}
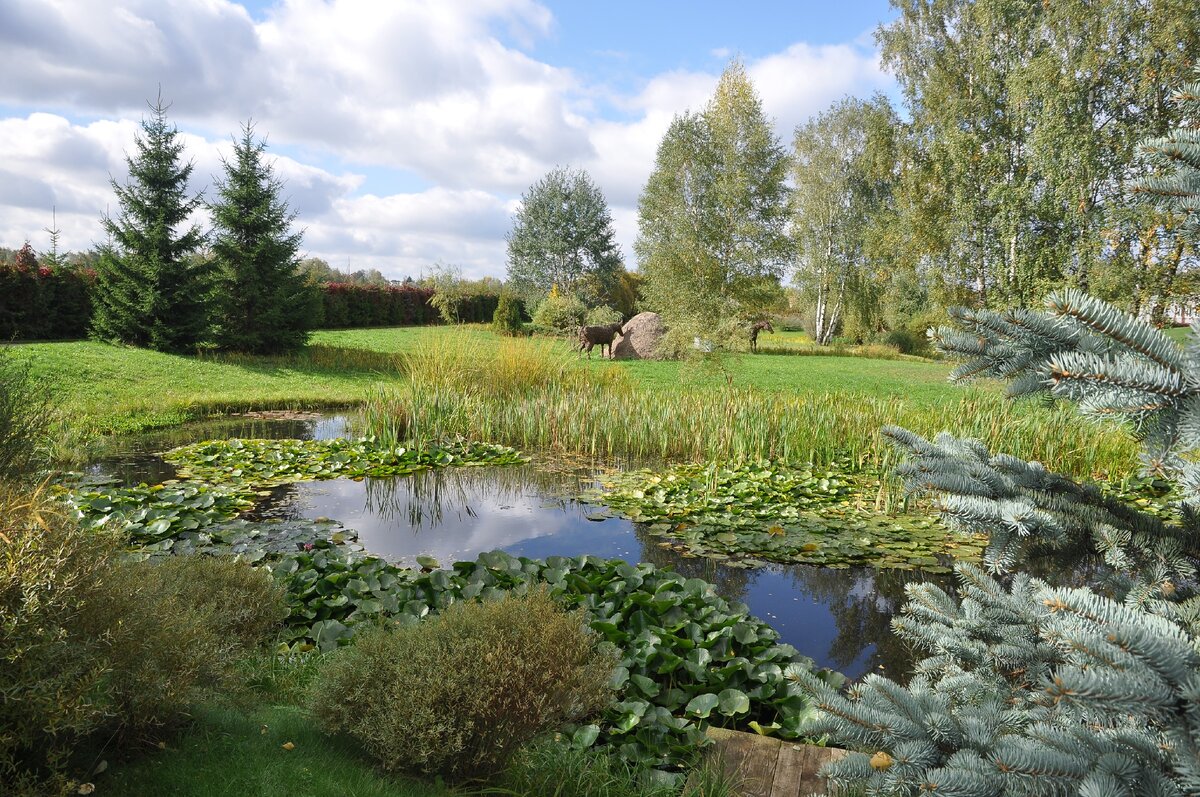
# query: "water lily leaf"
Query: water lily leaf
{"points": [[733, 701], [702, 705]]}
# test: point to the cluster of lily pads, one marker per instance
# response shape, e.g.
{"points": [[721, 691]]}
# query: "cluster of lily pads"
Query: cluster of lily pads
{"points": [[269, 463], [749, 514], [689, 658]]}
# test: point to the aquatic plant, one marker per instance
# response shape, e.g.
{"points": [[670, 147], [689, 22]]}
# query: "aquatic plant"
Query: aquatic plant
{"points": [[752, 513]]}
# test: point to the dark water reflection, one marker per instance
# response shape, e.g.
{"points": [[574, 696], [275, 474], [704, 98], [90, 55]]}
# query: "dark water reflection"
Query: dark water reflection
{"points": [[840, 618]]}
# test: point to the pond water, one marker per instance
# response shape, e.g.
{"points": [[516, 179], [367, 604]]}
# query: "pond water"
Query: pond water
{"points": [[839, 617]]}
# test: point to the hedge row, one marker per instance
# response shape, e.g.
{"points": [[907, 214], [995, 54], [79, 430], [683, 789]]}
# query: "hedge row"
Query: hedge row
{"points": [[39, 304]]}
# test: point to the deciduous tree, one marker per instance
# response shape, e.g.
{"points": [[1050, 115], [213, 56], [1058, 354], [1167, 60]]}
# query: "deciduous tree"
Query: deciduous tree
{"points": [[712, 219], [563, 235]]}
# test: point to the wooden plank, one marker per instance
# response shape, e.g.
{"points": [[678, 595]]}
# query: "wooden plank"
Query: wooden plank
{"points": [[812, 783], [789, 772], [750, 757]]}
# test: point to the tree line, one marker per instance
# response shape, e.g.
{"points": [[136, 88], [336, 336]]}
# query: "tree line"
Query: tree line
{"points": [[1005, 174]]}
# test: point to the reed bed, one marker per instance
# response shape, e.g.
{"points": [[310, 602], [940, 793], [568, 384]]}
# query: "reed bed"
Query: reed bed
{"points": [[527, 394]]}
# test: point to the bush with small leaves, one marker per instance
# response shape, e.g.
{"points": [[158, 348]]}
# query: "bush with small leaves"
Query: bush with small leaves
{"points": [[559, 314], [458, 693], [93, 645], [603, 315]]}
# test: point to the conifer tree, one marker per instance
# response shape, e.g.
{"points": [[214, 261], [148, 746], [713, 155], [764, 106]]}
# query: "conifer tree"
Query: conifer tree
{"points": [[264, 304], [1031, 687], [150, 291]]}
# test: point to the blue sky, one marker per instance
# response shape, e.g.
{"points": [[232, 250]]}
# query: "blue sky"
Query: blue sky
{"points": [[406, 130]]}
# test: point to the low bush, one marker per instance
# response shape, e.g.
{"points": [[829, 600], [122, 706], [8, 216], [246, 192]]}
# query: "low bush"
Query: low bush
{"points": [[458, 693], [906, 341], [559, 314], [92, 645], [599, 316]]}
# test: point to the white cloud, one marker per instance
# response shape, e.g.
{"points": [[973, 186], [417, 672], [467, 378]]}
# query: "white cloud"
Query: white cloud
{"points": [[425, 87]]}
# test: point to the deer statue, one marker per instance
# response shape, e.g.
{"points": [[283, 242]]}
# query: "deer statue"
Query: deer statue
{"points": [[759, 326], [602, 336]]}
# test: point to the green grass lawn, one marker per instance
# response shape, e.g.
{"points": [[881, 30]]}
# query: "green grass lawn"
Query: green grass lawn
{"points": [[228, 752], [104, 389], [110, 389]]}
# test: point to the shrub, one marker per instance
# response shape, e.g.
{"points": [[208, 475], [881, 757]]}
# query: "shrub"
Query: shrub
{"points": [[559, 313], [906, 341], [460, 692], [507, 318], [25, 406], [95, 646], [599, 316]]}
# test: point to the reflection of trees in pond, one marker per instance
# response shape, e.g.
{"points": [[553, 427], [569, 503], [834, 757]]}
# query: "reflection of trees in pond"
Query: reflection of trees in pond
{"points": [[425, 498], [863, 602], [731, 582]]}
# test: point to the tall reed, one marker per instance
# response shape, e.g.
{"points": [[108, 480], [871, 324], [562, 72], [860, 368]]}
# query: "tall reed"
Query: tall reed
{"points": [[527, 394]]}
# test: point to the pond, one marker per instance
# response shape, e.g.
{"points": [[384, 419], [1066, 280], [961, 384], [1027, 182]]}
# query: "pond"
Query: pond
{"points": [[838, 617]]}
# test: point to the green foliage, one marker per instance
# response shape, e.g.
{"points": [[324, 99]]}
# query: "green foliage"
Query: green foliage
{"points": [[602, 315], [264, 305], [1024, 122], [843, 170], [688, 657], [91, 644], [45, 303], [559, 313], [25, 414], [906, 342], [527, 393], [1176, 156], [151, 290], [266, 463], [1033, 687], [562, 237], [555, 768], [746, 515], [711, 239], [459, 693], [507, 319]]}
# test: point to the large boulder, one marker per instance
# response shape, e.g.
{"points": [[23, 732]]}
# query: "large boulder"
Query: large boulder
{"points": [[639, 337]]}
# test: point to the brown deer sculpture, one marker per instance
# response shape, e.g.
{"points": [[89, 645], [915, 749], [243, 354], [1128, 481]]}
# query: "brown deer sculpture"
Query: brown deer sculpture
{"points": [[759, 326], [601, 336]]}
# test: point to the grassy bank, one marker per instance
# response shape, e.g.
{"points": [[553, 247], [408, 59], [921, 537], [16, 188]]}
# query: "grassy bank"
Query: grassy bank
{"points": [[226, 751], [529, 395], [538, 394]]}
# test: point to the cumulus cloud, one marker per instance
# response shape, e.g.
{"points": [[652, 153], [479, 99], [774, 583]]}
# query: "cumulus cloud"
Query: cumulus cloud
{"points": [[441, 89]]}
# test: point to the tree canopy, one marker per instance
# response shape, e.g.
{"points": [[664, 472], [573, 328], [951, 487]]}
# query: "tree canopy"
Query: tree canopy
{"points": [[563, 236], [712, 242]]}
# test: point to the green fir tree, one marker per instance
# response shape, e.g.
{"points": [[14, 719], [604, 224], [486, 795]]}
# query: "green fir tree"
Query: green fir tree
{"points": [[150, 290], [1038, 688], [265, 304]]}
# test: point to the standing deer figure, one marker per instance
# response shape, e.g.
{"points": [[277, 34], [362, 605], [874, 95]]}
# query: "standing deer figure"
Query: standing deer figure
{"points": [[759, 327], [603, 335]]}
